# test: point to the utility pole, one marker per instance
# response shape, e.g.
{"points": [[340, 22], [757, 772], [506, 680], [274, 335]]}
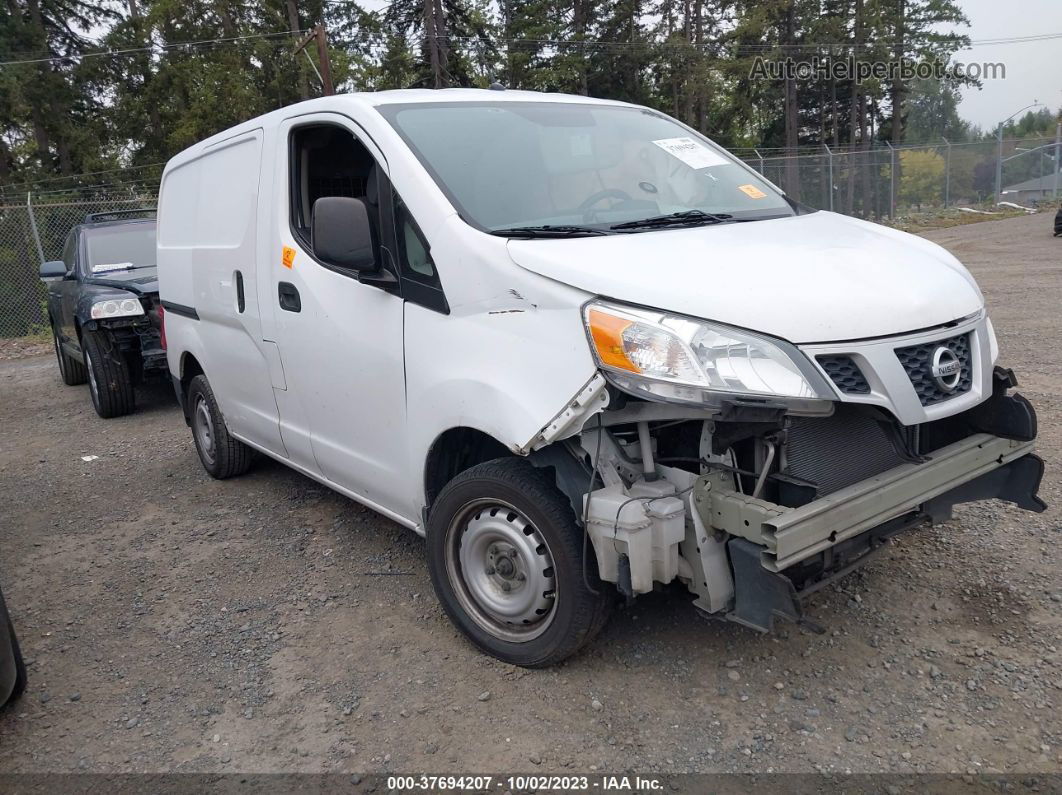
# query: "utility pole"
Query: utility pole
{"points": [[325, 73], [999, 162], [892, 179], [293, 23], [999, 150], [1058, 155], [947, 173], [829, 155]]}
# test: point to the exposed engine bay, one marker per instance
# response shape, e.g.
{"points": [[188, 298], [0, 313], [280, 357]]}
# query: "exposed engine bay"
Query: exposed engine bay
{"points": [[754, 508]]}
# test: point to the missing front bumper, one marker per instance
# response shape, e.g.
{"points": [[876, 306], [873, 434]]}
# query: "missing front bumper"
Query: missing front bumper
{"points": [[762, 592], [952, 474]]}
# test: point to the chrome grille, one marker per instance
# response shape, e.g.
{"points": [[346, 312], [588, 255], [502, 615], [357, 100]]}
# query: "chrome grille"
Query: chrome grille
{"points": [[917, 361], [845, 373]]}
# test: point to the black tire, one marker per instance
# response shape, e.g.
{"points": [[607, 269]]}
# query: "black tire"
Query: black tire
{"points": [[70, 369], [221, 455], [20, 665], [512, 493], [110, 382]]}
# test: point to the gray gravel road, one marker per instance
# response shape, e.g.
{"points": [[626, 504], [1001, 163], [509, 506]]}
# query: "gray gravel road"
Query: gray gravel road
{"points": [[176, 623]]}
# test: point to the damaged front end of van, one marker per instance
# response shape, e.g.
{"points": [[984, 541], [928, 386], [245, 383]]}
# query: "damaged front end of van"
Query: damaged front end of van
{"points": [[755, 471]]}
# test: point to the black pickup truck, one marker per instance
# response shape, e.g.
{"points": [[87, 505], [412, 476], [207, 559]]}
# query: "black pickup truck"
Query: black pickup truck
{"points": [[104, 308]]}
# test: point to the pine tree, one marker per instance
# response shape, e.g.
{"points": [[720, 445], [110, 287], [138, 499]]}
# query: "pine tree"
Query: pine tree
{"points": [[47, 100]]}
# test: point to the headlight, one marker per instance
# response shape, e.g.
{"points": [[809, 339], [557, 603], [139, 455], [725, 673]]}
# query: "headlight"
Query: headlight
{"points": [[673, 358], [118, 307]]}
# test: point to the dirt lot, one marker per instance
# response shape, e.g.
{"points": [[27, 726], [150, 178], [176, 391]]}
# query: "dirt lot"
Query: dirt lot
{"points": [[176, 623]]}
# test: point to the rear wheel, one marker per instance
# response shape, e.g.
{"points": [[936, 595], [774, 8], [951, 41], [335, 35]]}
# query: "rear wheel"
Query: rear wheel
{"points": [[110, 383], [71, 370], [506, 560], [222, 456]]}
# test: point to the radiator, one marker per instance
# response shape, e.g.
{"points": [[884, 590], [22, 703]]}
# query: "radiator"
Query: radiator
{"points": [[837, 451]]}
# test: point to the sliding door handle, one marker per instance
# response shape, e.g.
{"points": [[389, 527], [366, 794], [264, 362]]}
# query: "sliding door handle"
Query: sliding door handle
{"points": [[241, 300]]}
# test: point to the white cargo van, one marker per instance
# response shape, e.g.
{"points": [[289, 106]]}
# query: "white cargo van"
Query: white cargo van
{"points": [[581, 348]]}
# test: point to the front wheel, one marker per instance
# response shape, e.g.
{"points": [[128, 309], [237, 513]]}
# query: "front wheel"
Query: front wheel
{"points": [[506, 560], [110, 382]]}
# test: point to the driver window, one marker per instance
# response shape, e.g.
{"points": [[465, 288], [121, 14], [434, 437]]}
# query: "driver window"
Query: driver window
{"points": [[327, 160]]}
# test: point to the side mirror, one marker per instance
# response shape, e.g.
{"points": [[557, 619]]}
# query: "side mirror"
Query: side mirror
{"points": [[53, 270], [340, 234]]}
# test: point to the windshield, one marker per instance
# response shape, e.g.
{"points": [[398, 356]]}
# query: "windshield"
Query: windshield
{"points": [[120, 247], [518, 164]]}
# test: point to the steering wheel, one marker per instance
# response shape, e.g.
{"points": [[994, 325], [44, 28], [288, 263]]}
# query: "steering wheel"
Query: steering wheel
{"points": [[612, 193]]}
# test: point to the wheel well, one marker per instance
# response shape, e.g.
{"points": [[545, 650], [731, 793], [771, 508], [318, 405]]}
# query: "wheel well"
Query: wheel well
{"points": [[455, 451], [190, 368]]}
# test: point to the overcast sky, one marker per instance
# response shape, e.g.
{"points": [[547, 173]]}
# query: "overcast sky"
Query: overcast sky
{"points": [[1034, 69]]}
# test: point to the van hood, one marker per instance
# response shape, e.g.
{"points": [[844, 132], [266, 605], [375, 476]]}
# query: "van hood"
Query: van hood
{"points": [[820, 277]]}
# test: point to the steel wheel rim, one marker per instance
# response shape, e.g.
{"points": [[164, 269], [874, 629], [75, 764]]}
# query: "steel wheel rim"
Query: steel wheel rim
{"points": [[92, 377], [203, 426], [501, 570]]}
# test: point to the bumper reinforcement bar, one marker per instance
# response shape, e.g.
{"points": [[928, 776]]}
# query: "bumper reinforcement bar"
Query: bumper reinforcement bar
{"points": [[953, 474]]}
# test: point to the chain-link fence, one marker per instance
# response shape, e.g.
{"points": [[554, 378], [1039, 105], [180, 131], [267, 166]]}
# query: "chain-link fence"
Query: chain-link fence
{"points": [[883, 181], [879, 182], [34, 232]]}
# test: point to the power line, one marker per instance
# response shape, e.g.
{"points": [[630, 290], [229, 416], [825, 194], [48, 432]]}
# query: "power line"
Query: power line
{"points": [[83, 174], [153, 48]]}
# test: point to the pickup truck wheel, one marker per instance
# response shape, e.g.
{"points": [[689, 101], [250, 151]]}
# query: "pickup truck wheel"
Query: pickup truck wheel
{"points": [[72, 371], [110, 382], [506, 560], [221, 455]]}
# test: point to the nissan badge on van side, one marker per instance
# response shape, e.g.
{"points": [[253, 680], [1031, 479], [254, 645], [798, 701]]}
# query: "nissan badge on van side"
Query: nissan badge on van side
{"points": [[581, 349]]}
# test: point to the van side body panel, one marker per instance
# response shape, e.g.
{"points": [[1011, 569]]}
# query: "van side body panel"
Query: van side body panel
{"points": [[506, 360], [207, 254]]}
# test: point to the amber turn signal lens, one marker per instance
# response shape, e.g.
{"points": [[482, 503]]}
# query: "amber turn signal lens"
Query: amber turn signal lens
{"points": [[607, 333]]}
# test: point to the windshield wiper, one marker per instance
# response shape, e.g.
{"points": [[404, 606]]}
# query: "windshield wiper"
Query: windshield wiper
{"points": [[685, 218], [547, 231], [122, 269]]}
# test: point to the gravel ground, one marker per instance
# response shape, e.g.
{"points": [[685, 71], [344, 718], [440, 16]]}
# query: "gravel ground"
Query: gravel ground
{"points": [[176, 623]]}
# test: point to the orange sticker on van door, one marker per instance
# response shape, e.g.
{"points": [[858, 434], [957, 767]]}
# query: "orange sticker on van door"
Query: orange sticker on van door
{"points": [[752, 191], [288, 257]]}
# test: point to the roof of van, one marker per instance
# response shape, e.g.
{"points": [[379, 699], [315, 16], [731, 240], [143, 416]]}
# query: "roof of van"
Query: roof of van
{"points": [[409, 95], [372, 99]]}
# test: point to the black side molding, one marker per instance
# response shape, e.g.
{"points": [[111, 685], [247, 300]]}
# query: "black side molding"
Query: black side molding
{"points": [[180, 309]]}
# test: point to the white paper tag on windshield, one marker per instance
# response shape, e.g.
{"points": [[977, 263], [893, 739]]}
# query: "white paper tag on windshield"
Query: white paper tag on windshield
{"points": [[581, 146], [693, 153], [112, 266]]}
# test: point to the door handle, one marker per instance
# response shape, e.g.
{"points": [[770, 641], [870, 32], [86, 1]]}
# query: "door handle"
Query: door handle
{"points": [[289, 297], [241, 302]]}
